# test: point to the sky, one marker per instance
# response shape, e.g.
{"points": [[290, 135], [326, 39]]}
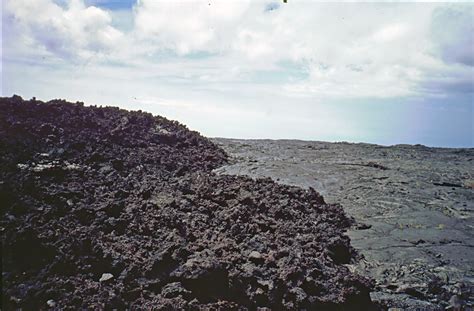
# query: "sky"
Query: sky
{"points": [[377, 72]]}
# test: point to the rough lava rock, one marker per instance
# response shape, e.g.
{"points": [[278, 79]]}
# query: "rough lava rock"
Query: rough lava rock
{"points": [[104, 208]]}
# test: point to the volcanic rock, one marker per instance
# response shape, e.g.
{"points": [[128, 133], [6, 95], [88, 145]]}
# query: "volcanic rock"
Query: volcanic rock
{"points": [[131, 196]]}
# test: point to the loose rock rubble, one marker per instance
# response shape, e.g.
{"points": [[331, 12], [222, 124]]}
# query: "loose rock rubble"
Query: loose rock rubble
{"points": [[106, 208]]}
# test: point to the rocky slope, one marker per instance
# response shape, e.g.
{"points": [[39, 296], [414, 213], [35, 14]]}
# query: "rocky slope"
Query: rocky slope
{"points": [[104, 208]]}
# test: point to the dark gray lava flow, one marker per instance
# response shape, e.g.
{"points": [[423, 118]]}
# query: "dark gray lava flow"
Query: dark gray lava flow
{"points": [[413, 207], [104, 208]]}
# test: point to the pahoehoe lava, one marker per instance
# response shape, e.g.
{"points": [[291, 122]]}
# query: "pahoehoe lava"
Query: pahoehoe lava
{"points": [[107, 208]]}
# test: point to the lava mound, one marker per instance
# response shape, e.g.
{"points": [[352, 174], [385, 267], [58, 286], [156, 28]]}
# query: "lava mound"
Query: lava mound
{"points": [[103, 208]]}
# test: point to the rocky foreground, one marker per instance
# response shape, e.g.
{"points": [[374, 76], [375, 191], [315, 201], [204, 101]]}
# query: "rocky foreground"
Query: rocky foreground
{"points": [[104, 208]]}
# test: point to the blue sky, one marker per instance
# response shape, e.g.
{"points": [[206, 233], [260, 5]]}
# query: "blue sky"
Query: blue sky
{"points": [[111, 4], [383, 73]]}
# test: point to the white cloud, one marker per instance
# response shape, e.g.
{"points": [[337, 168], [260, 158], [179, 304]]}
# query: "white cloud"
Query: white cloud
{"points": [[390, 33], [188, 26], [66, 31], [351, 50], [453, 33]]}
